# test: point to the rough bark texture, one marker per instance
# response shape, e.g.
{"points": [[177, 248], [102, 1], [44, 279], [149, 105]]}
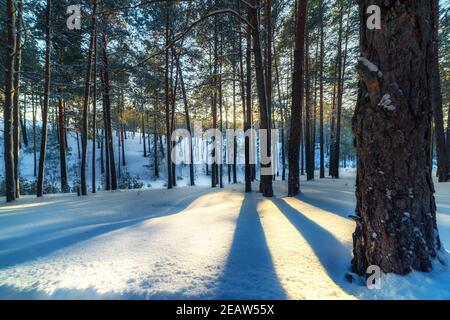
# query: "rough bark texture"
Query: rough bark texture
{"points": [[396, 212]]}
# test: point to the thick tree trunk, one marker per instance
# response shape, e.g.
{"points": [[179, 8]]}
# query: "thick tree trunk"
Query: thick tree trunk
{"points": [[10, 188], [297, 100], [264, 114], [43, 148], [396, 211]]}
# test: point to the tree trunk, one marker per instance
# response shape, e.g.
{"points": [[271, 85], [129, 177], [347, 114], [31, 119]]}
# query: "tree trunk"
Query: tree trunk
{"points": [[396, 211], [297, 100], [188, 122], [266, 175], [16, 100], [111, 166], [167, 93], [321, 66], [43, 147], [87, 87], [246, 104], [33, 105], [94, 115], [10, 188], [143, 131], [308, 110], [441, 148]]}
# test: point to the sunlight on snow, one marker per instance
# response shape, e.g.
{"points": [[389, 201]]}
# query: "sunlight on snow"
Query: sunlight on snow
{"points": [[302, 275]]}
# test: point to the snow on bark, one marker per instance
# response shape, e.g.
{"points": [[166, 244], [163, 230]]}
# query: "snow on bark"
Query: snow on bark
{"points": [[372, 67]]}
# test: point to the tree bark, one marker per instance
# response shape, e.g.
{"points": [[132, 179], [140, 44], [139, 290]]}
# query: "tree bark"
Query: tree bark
{"points": [[396, 211], [266, 177], [16, 100], [443, 170], [111, 166], [94, 115], [321, 66], [167, 93], [188, 122], [10, 188], [43, 147], [297, 100], [87, 87]]}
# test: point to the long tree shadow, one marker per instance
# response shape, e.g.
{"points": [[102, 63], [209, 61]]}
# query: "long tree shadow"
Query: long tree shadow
{"points": [[21, 249], [249, 271], [333, 255], [337, 206]]}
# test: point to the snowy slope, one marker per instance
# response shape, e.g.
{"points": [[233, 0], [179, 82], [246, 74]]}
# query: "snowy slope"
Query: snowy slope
{"points": [[197, 243]]}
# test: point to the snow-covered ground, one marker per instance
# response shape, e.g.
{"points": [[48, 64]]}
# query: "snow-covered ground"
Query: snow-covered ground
{"points": [[197, 242]]}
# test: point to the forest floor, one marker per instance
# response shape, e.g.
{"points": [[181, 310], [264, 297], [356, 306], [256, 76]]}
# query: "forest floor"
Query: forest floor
{"points": [[197, 243]]}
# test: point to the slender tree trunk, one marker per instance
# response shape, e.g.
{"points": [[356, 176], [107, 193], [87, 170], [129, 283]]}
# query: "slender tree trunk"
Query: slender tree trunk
{"points": [[266, 176], [188, 121], [283, 122], [268, 63], [10, 188], [43, 147], [246, 104], [297, 100], [167, 92], [111, 166], [16, 99], [33, 105], [219, 78], [443, 170], [395, 211], [214, 107], [143, 132], [62, 146], [87, 87], [321, 66], [155, 139], [23, 125], [94, 115], [307, 130]]}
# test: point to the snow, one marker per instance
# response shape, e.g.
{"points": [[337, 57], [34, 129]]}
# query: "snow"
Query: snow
{"points": [[386, 103], [372, 67], [198, 243]]}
